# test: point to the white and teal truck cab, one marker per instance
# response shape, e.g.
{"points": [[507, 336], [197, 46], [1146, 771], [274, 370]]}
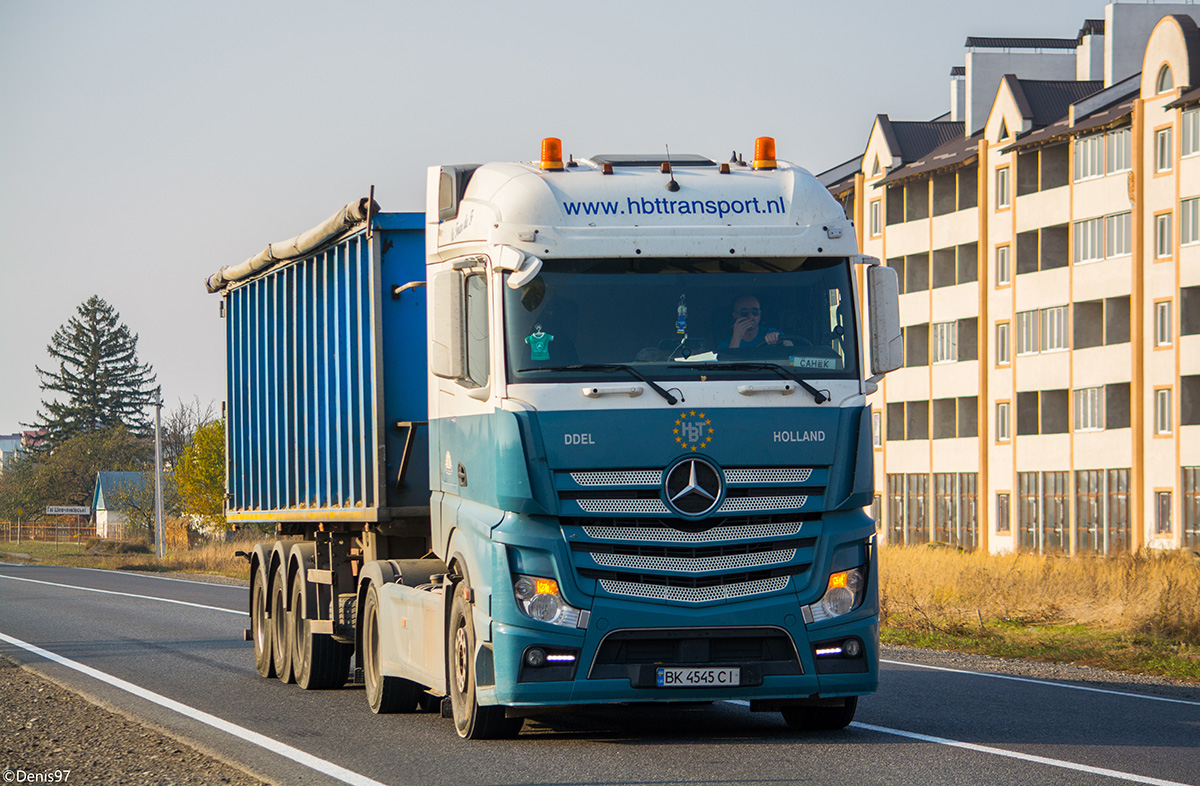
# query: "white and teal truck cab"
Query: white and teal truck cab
{"points": [[649, 447]]}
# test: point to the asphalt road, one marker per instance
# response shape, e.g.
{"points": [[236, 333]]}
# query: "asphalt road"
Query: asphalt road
{"points": [[170, 652]]}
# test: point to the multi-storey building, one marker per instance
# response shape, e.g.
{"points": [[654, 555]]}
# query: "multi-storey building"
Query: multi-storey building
{"points": [[1046, 232]]}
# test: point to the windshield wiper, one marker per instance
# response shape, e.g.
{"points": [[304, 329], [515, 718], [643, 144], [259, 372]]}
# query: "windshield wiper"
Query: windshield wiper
{"points": [[610, 367], [817, 395]]}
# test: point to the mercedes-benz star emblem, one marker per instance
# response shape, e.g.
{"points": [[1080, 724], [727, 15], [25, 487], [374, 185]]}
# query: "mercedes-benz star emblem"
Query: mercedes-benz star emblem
{"points": [[693, 487]]}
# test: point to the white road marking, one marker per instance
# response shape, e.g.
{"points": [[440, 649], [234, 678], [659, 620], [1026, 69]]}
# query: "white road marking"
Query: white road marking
{"points": [[1067, 765], [127, 595], [138, 574], [275, 746], [1042, 682]]}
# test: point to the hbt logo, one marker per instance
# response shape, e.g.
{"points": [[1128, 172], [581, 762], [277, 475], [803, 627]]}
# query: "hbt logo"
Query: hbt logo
{"points": [[693, 430]]}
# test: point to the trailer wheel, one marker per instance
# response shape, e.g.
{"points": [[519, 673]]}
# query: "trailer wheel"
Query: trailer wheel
{"points": [[281, 636], [471, 721], [318, 661], [260, 626], [821, 718], [385, 694]]}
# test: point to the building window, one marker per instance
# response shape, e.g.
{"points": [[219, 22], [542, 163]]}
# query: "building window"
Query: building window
{"points": [[1191, 132], [1002, 421], [895, 488], [1191, 507], [916, 517], [877, 429], [1089, 157], [1089, 409], [1003, 516], [1089, 240], [1119, 150], [1165, 81], [1162, 150], [1189, 221], [1162, 236], [1002, 349], [1028, 497], [1116, 510], [1027, 332], [1003, 269], [1118, 237], [1002, 191], [1054, 328], [1055, 535], [1089, 511], [945, 342], [1162, 513], [1163, 330], [876, 218], [1162, 411]]}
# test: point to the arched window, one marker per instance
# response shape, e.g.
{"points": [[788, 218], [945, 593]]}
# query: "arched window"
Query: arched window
{"points": [[1165, 80]]}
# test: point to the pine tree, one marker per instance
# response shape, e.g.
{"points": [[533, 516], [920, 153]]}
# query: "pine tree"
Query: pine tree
{"points": [[100, 380]]}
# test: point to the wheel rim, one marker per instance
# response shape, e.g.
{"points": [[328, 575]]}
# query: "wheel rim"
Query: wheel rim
{"points": [[260, 604], [461, 656], [371, 636]]}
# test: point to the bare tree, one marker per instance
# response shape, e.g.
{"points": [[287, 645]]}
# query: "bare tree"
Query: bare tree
{"points": [[181, 425]]}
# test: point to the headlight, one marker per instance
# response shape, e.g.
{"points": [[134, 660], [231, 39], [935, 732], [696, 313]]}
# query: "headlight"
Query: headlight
{"points": [[538, 598], [843, 594]]}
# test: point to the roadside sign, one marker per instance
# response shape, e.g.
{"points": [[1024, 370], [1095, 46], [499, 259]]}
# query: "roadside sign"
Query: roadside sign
{"points": [[68, 510]]}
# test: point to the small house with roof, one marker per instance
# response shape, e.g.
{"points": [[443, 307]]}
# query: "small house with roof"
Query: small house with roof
{"points": [[111, 487]]}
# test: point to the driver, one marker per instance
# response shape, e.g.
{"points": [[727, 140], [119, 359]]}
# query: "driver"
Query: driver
{"points": [[747, 330]]}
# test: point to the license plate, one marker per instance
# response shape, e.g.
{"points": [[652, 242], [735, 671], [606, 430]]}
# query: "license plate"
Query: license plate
{"points": [[698, 678]]}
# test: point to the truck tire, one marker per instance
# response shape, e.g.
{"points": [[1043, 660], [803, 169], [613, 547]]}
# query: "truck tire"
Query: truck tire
{"points": [[318, 662], [385, 694], [260, 625], [281, 636], [471, 721], [821, 718]]}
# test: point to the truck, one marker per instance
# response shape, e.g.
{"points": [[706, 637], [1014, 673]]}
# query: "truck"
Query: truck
{"points": [[584, 432]]}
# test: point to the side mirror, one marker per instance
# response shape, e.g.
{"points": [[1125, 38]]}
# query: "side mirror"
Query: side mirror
{"points": [[883, 304], [447, 353]]}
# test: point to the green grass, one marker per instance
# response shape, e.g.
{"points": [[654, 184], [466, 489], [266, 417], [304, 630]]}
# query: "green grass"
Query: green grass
{"points": [[1060, 643], [214, 558]]}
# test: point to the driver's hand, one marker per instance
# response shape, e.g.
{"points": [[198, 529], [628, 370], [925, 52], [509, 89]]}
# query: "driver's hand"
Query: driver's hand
{"points": [[741, 327], [772, 338]]}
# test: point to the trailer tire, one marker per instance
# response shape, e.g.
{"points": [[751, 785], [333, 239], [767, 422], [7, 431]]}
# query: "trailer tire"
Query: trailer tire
{"points": [[261, 627], [281, 634], [821, 718], [385, 694], [318, 662], [471, 721]]}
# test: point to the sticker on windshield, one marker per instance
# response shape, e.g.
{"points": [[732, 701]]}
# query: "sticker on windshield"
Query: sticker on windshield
{"points": [[817, 363], [693, 430], [539, 343]]}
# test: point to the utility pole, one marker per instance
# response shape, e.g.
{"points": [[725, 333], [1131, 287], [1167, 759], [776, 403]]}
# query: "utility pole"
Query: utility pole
{"points": [[160, 540]]}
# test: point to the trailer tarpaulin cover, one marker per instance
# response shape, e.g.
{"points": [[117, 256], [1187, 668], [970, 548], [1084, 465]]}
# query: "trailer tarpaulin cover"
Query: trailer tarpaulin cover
{"points": [[329, 230]]}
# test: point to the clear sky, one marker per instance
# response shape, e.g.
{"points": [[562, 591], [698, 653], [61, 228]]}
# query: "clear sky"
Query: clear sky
{"points": [[145, 144]]}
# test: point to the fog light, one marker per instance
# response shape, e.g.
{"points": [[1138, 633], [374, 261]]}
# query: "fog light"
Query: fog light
{"points": [[852, 648], [828, 652], [535, 657]]}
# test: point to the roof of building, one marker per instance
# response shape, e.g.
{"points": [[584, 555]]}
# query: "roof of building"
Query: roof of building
{"points": [[1186, 99], [110, 483], [958, 151], [985, 42], [1104, 109], [913, 140], [958, 70], [840, 178], [1090, 27], [1050, 99]]}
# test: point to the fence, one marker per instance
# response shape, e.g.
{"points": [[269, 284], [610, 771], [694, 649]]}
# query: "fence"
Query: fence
{"points": [[64, 530]]}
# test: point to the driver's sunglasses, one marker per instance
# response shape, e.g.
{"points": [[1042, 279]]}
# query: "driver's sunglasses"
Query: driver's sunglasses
{"points": [[746, 312]]}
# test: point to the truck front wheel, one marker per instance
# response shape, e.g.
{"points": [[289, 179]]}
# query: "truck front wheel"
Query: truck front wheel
{"points": [[821, 718], [385, 694], [471, 721]]}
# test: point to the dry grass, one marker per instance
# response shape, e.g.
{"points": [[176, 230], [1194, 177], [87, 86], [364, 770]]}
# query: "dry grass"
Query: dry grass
{"points": [[1135, 608]]}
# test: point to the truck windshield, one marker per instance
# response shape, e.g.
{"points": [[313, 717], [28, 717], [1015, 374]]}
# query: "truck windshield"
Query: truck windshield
{"points": [[678, 319]]}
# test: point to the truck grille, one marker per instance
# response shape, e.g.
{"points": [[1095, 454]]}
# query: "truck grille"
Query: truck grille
{"points": [[650, 558]]}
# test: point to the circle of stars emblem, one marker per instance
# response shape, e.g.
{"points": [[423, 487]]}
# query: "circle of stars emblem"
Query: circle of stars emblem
{"points": [[693, 430]]}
